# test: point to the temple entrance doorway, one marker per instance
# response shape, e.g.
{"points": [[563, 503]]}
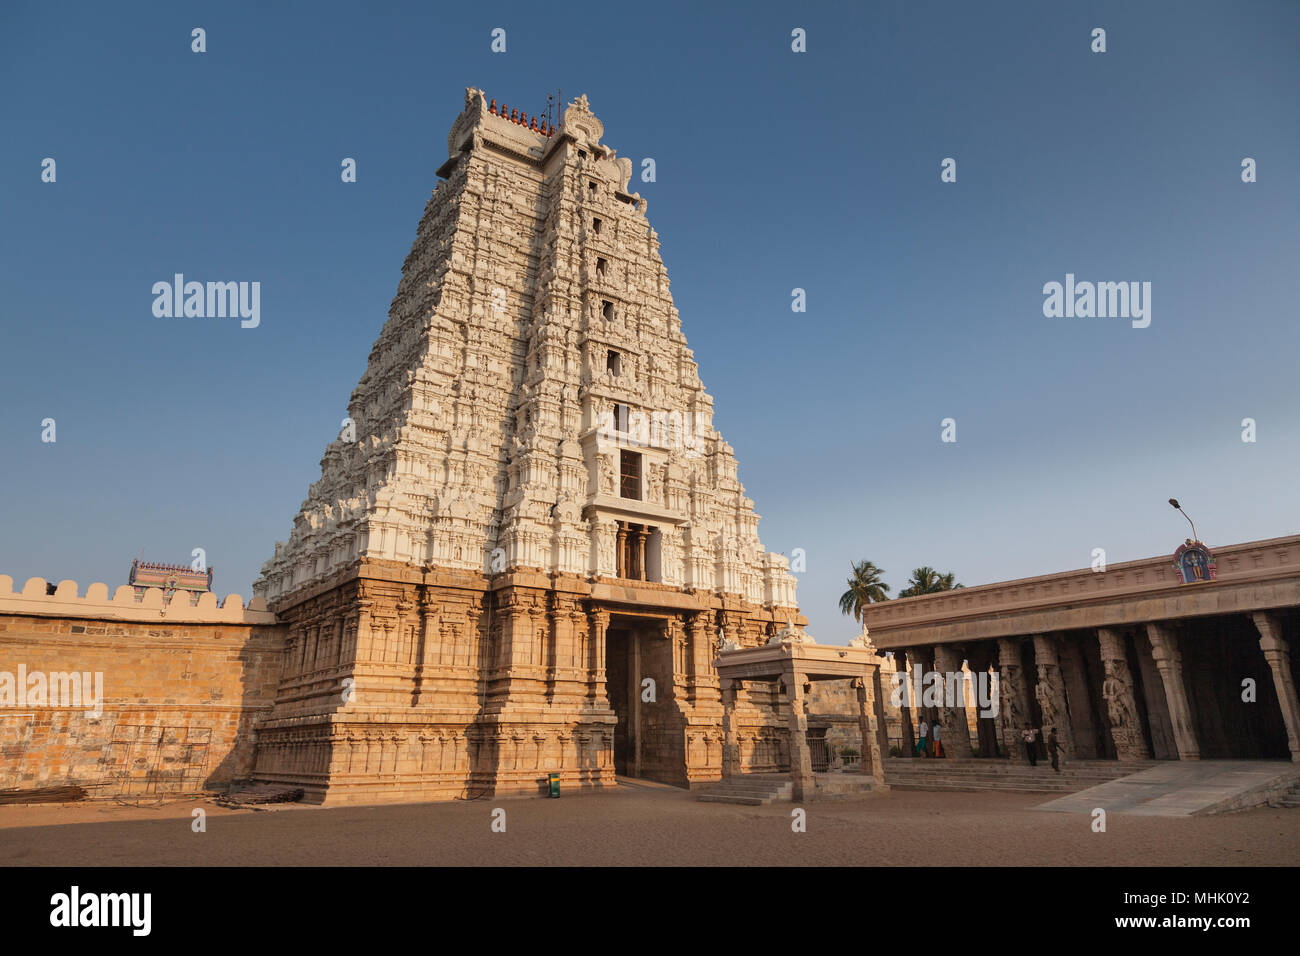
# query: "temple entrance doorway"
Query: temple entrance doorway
{"points": [[639, 684], [622, 686]]}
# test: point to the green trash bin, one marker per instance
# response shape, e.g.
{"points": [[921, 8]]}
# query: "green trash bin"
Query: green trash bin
{"points": [[553, 780]]}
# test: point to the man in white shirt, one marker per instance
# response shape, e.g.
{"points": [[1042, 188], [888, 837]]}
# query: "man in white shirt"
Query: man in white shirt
{"points": [[1029, 737], [923, 734]]}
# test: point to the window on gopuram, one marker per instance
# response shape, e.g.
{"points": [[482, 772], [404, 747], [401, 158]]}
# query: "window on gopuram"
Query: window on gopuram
{"points": [[607, 310], [613, 363], [595, 225], [629, 473], [602, 266]]}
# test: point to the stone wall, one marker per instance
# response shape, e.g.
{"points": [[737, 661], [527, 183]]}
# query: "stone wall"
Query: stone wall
{"points": [[181, 688], [833, 705]]}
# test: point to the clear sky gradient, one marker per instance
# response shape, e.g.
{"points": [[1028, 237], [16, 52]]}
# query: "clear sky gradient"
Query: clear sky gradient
{"points": [[775, 170]]}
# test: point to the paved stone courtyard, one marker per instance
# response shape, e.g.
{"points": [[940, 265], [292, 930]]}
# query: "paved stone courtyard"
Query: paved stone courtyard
{"points": [[636, 827]]}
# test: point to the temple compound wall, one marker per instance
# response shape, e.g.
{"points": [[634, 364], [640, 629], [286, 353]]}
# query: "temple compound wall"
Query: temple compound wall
{"points": [[1141, 660], [131, 698], [529, 541]]}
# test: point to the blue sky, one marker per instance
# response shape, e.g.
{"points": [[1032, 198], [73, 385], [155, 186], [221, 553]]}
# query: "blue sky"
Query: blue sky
{"points": [[775, 170]]}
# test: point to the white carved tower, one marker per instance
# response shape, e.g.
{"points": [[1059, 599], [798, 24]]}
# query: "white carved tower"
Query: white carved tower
{"points": [[530, 461]]}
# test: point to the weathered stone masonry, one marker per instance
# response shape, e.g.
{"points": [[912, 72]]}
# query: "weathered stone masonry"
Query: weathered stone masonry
{"points": [[183, 687]]}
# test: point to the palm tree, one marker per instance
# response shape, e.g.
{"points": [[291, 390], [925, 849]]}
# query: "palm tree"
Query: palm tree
{"points": [[865, 587], [927, 580]]}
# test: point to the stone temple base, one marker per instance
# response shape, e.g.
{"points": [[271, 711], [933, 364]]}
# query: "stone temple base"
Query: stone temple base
{"points": [[406, 685]]}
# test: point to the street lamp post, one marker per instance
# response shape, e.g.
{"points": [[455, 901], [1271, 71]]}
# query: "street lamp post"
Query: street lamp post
{"points": [[1174, 502]]}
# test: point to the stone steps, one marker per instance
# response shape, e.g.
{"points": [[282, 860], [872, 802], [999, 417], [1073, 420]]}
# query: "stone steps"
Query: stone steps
{"points": [[1007, 779], [1006, 765], [1029, 775], [974, 775], [1289, 800], [1079, 768], [750, 791]]}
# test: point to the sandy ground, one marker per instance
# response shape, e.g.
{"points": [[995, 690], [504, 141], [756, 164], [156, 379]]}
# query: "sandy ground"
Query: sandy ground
{"points": [[642, 828]]}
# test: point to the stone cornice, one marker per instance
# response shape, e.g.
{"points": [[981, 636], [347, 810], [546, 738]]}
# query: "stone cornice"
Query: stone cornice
{"points": [[817, 661]]}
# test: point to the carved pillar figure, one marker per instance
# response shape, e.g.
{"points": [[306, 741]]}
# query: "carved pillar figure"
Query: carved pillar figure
{"points": [[1117, 692], [1169, 661], [801, 773], [1050, 691], [1278, 655], [955, 736], [906, 703], [730, 739], [872, 758]]}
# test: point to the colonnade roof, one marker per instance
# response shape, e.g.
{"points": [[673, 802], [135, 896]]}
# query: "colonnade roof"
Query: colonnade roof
{"points": [[1252, 576]]}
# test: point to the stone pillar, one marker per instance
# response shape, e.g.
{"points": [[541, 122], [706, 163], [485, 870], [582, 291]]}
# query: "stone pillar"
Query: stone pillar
{"points": [[1169, 661], [701, 685], [1278, 655], [882, 725], [905, 711], [955, 736], [640, 554], [599, 625], [1117, 692], [620, 552], [572, 634], [801, 773], [520, 618], [872, 758], [1013, 697], [1050, 691], [430, 646], [730, 739]]}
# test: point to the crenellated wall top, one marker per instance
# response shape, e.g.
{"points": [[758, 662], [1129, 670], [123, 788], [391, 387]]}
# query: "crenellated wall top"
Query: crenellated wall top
{"points": [[122, 605]]}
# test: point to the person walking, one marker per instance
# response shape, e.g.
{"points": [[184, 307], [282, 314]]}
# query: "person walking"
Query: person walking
{"points": [[1053, 748], [935, 735], [922, 741], [1030, 739]]}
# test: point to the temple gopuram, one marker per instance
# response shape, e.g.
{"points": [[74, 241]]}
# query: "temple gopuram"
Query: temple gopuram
{"points": [[529, 542]]}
